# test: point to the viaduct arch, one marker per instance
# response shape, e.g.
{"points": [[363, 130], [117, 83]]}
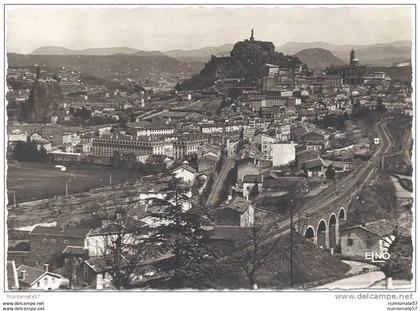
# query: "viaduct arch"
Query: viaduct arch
{"points": [[324, 230]]}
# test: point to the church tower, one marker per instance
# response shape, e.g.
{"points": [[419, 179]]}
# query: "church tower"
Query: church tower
{"points": [[252, 36], [352, 55], [353, 59]]}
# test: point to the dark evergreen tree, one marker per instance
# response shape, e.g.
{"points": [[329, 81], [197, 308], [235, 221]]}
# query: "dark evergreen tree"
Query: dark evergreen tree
{"points": [[28, 151], [181, 238], [330, 172]]}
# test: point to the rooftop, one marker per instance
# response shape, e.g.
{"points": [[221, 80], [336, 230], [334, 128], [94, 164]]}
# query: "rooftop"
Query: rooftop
{"points": [[58, 231], [32, 274]]}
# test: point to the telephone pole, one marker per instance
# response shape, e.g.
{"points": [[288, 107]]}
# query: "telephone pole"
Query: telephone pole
{"points": [[291, 243], [67, 185]]}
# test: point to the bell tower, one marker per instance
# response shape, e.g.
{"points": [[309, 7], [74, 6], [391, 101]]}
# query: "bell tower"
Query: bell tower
{"points": [[352, 55]]}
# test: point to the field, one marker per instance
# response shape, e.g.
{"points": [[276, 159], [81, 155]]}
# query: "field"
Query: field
{"points": [[33, 181]]}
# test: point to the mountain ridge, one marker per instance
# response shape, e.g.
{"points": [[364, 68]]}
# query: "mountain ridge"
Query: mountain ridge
{"points": [[318, 58]]}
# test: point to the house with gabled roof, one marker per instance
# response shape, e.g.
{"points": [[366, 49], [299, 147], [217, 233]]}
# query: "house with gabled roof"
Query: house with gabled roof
{"points": [[38, 279], [368, 237], [186, 173], [235, 212]]}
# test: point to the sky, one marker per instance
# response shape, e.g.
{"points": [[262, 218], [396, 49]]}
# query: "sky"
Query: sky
{"points": [[167, 28]]}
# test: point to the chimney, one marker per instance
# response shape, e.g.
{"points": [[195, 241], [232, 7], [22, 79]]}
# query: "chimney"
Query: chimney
{"points": [[22, 274], [46, 267]]}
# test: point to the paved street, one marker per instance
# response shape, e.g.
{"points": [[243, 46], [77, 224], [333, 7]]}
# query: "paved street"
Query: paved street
{"points": [[219, 184], [362, 281]]}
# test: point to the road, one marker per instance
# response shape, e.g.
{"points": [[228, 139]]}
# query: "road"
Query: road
{"points": [[219, 184], [361, 281]]}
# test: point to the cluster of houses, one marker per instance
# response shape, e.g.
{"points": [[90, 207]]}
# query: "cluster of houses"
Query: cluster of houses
{"points": [[268, 132]]}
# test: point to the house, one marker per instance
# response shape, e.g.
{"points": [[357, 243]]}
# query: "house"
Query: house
{"points": [[314, 168], [98, 240], [283, 134], [49, 242], [232, 147], [266, 142], [247, 167], [40, 142], [38, 279], [16, 135], [186, 173], [235, 212], [297, 133], [95, 273], [249, 182], [208, 148], [365, 238], [207, 162], [313, 141], [339, 166], [306, 155]]}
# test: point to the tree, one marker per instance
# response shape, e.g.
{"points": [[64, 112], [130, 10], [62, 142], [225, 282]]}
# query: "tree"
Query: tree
{"points": [[28, 151], [252, 254], [400, 250], [330, 172], [380, 107], [181, 238], [126, 243]]}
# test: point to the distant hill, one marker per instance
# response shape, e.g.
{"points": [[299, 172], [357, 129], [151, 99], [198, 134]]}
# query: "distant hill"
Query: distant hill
{"points": [[58, 50], [406, 63], [52, 50], [318, 58], [202, 54], [117, 66], [381, 54]]}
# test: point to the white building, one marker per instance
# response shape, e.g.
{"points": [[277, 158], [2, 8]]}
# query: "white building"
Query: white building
{"points": [[283, 154], [186, 173], [32, 278]]}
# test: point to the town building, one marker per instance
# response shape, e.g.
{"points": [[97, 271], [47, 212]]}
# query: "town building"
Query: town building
{"points": [[37, 279], [235, 212], [283, 154], [358, 240]]}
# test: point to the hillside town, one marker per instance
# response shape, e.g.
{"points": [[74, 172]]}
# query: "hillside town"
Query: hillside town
{"points": [[232, 182]]}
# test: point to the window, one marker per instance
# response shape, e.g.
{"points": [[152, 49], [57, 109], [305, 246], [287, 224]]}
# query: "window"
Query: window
{"points": [[44, 240], [85, 275], [52, 240], [66, 242], [38, 284], [46, 281], [349, 242]]}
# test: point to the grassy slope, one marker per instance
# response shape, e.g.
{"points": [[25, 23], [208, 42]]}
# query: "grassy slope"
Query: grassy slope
{"points": [[311, 265]]}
